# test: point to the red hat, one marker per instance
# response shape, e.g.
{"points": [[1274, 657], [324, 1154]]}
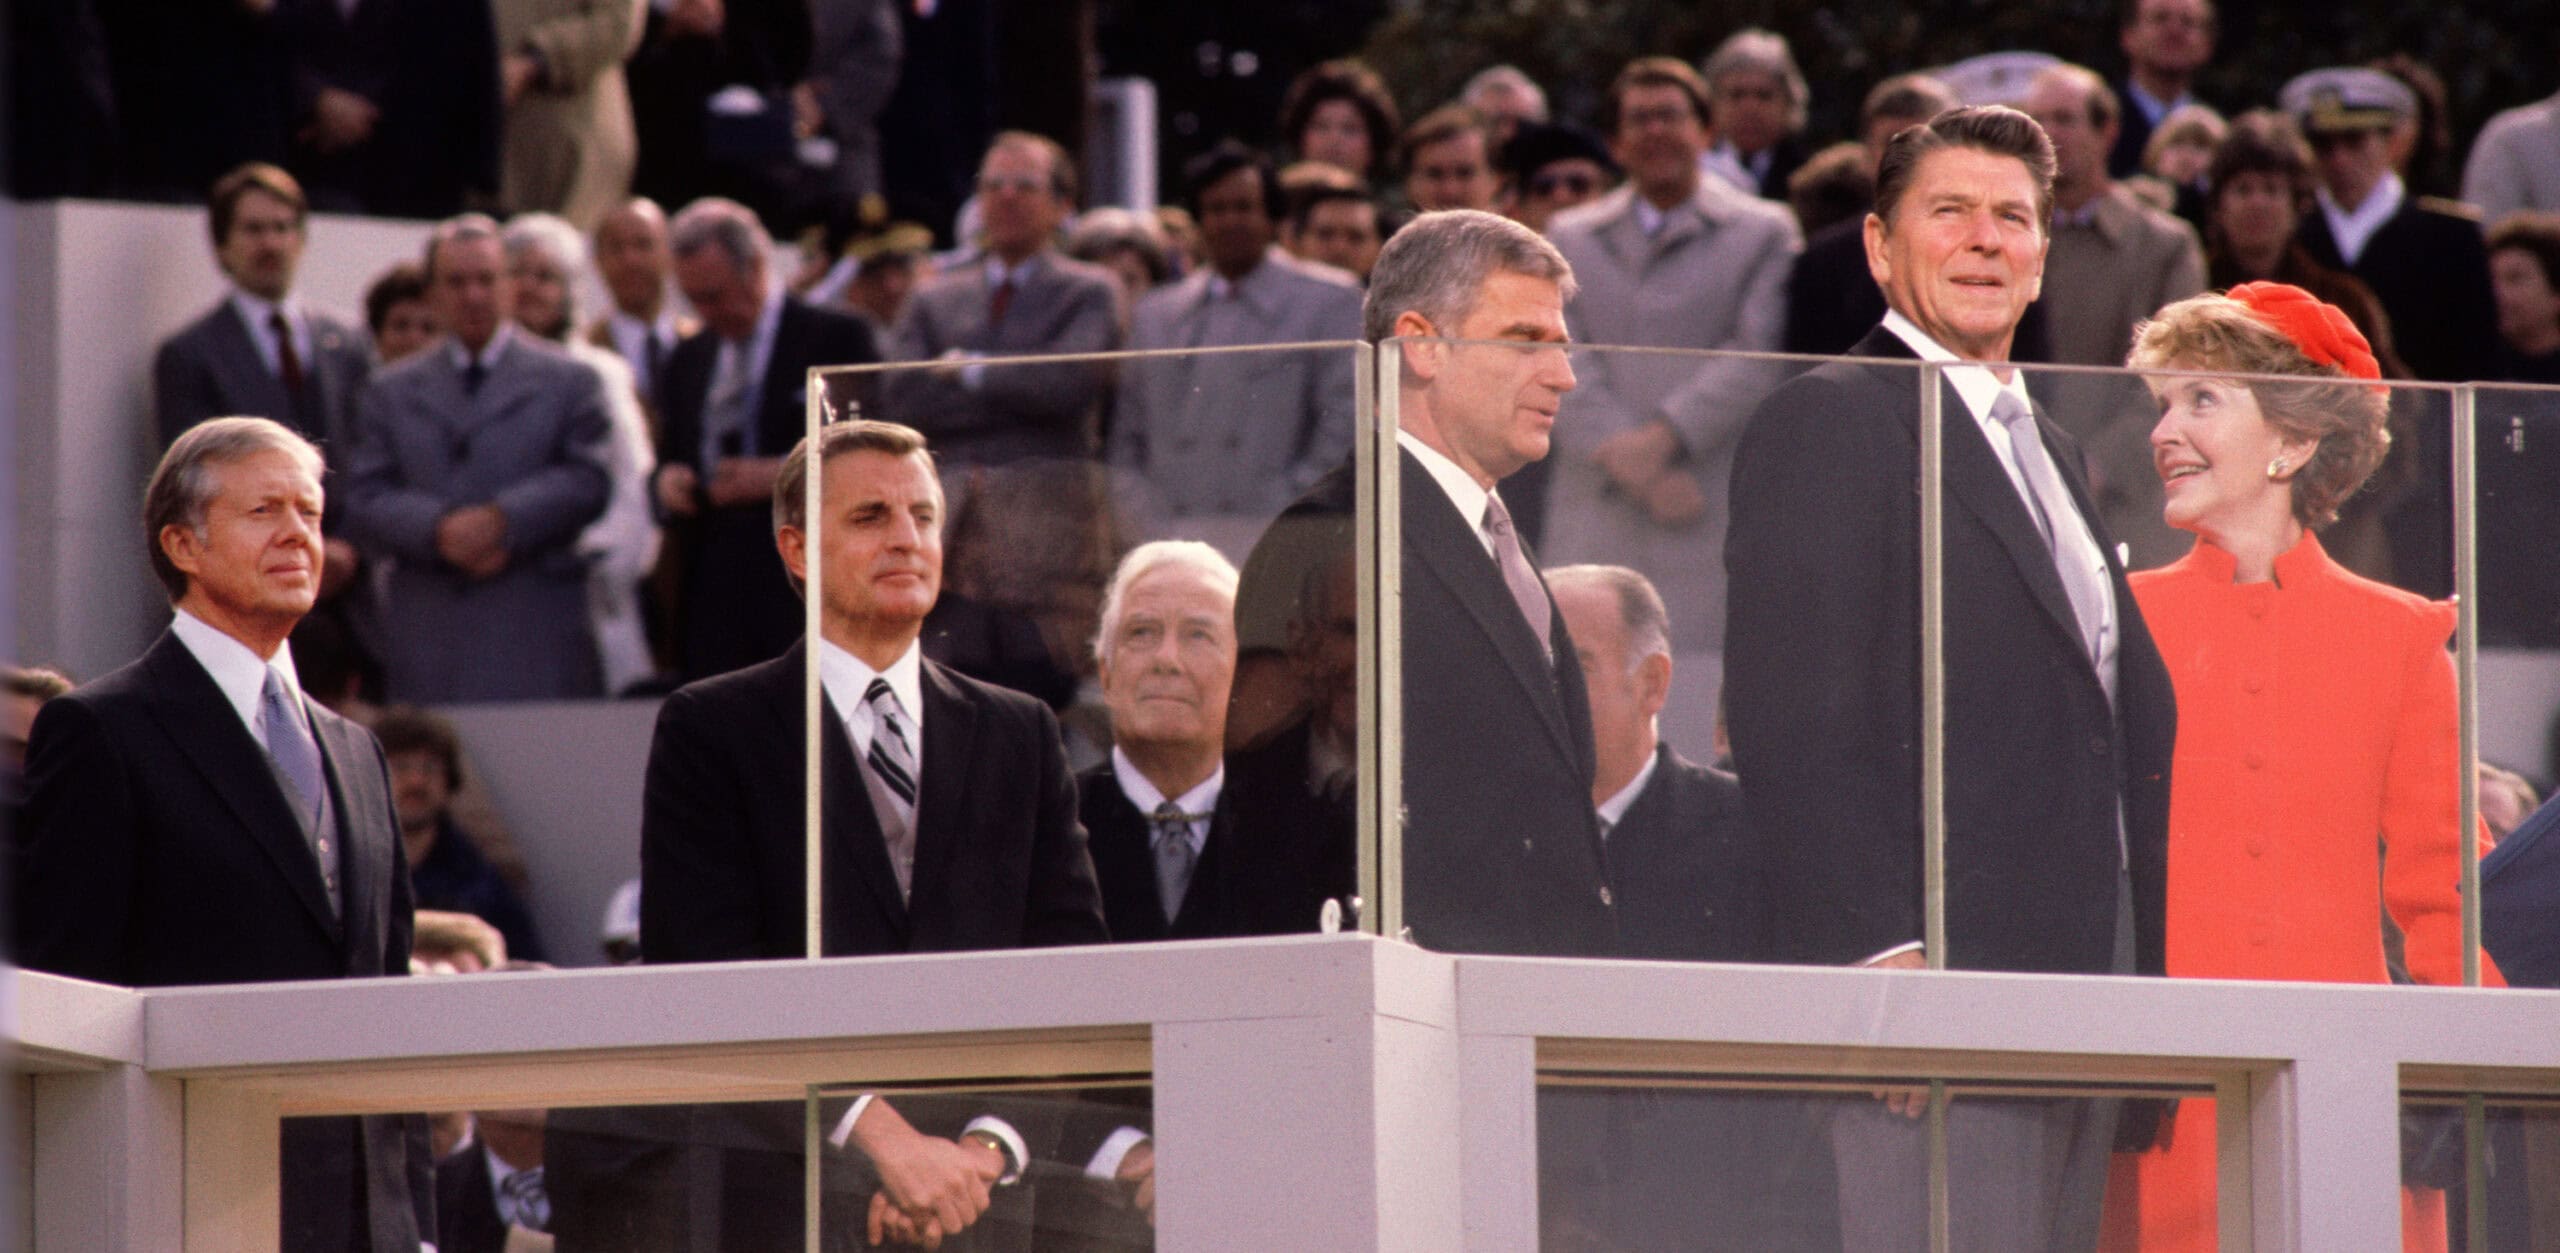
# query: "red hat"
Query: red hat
{"points": [[2322, 332]]}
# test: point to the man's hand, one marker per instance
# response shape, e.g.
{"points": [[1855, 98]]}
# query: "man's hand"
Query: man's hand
{"points": [[1908, 1102], [744, 480], [1674, 500], [473, 539], [1634, 459], [930, 1187], [1138, 1174], [340, 119], [518, 74], [677, 485], [339, 562]]}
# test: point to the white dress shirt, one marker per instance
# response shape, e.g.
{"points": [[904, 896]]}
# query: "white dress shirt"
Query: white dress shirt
{"points": [[1146, 796], [2354, 228], [631, 338], [1614, 809], [1461, 487], [260, 313], [240, 673]]}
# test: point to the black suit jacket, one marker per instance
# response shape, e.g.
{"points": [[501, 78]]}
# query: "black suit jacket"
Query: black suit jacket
{"points": [[1821, 663], [2430, 269], [737, 608], [466, 1209], [1501, 848], [212, 369], [432, 70], [1682, 858], [156, 848], [1275, 851], [1125, 866]]}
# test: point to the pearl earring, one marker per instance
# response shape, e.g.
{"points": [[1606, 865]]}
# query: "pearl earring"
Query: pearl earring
{"points": [[2275, 470]]}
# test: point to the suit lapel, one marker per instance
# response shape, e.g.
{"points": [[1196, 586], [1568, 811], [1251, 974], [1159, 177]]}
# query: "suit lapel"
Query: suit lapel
{"points": [[1437, 539], [855, 860], [786, 383], [244, 372], [364, 843], [333, 378], [1977, 482], [943, 796], [205, 726]]}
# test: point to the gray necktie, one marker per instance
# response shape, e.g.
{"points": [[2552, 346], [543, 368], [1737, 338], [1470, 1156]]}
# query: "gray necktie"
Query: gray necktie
{"points": [[726, 429], [1175, 858], [1526, 590], [527, 1202], [2047, 499], [891, 781], [297, 757]]}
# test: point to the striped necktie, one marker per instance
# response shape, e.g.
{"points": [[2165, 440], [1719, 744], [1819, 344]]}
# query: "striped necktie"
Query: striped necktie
{"points": [[890, 778]]}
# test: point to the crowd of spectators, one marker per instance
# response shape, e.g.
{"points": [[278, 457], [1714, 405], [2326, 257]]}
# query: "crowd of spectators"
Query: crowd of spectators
{"points": [[525, 500]]}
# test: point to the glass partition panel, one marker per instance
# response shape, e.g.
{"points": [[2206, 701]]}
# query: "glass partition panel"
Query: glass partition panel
{"points": [[1567, 784], [1153, 553], [1652, 1161], [1074, 1167], [2480, 1172], [2516, 447]]}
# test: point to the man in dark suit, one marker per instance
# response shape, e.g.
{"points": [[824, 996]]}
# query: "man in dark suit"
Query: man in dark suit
{"points": [[1026, 298], [2059, 716], [1674, 1169], [732, 400], [479, 463], [194, 818], [493, 1186], [950, 813], [1501, 850], [397, 104]]}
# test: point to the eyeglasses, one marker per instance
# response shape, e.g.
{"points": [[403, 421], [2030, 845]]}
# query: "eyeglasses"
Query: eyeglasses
{"points": [[1571, 184]]}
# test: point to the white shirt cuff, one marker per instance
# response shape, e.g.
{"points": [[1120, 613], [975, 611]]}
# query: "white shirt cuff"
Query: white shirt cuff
{"points": [[1105, 1165], [1017, 1155], [844, 1126], [1907, 946], [974, 375]]}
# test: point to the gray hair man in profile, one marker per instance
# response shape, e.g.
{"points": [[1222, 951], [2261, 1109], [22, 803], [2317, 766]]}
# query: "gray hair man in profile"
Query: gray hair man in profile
{"points": [[1502, 860], [194, 818]]}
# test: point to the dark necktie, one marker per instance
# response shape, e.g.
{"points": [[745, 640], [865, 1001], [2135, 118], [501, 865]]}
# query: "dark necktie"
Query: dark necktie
{"points": [[1175, 858], [653, 355], [999, 302], [891, 781], [288, 362], [2047, 498], [297, 757], [474, 373], [1526, 591]]}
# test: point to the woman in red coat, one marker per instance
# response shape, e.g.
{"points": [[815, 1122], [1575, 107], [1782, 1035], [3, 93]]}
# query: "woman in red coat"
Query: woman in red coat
{"points": [[2317, 767]]}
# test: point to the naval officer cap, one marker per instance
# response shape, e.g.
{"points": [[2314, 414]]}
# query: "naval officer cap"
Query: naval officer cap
{"points": [[2348, 98]]}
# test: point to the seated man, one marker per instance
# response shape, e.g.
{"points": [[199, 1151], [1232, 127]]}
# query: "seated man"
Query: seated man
{"points": [[446, 869]]}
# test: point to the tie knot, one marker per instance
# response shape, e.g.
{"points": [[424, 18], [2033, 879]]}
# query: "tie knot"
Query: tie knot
{"points": [[2009, 411], [880, 694], [1497, 520]]}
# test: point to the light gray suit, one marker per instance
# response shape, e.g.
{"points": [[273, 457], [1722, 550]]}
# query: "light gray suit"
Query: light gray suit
{"points": [[531, 441], [1009, 412], [1714, 277], [1235, 433]]}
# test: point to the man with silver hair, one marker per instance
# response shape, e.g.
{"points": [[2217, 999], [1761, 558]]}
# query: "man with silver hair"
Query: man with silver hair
{"points": [[196, 818], [1507, 98], [732, 402], [1501, 848], [1758, 99], [545, 255], [478, 464]]}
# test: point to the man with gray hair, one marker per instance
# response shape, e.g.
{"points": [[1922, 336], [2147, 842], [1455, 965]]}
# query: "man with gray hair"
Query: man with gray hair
{"points": [[1758, 98], [1506, 97], [733, 400], [477, 465], [195, 818], [1501, 849]]}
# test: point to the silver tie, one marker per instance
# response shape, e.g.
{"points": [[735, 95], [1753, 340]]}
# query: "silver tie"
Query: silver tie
{"points": [[1175, 858], [297, 757], [891, 781], [1526, 590], [2047, 499]]}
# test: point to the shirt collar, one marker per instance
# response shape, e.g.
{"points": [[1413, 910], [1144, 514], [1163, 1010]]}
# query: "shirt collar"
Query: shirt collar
{"points": [[256, 310], [2353, 229], [1974, 382], [1146, 795], [846, 677], [1461, 487], [661, 327], [1253, 289], [2153, 108], [1019, 272], [1614, 809], [489, 352], [240, 673]]}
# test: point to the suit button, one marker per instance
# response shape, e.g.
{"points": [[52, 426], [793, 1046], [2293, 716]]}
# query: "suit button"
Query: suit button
{"points": [[2257, 846], [2252, 683], [2098, 745], [1605, 897], [2257, 608], [1527, 846], [2260, 934], [2254, 760]]}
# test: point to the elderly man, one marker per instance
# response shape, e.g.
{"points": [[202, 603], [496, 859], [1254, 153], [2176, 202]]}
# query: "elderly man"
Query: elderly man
{"points": [[1758, 99], [1674, 259], [480, 462], [1501, 849], [195, 818], [951, 822], [2059, 717], [1238, 433], [1831, 301], [733, 398], [1025, 299], [643, 326]]}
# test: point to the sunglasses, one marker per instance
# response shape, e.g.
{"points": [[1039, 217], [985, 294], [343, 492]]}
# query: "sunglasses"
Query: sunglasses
{"points": [[1574, 184]]}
